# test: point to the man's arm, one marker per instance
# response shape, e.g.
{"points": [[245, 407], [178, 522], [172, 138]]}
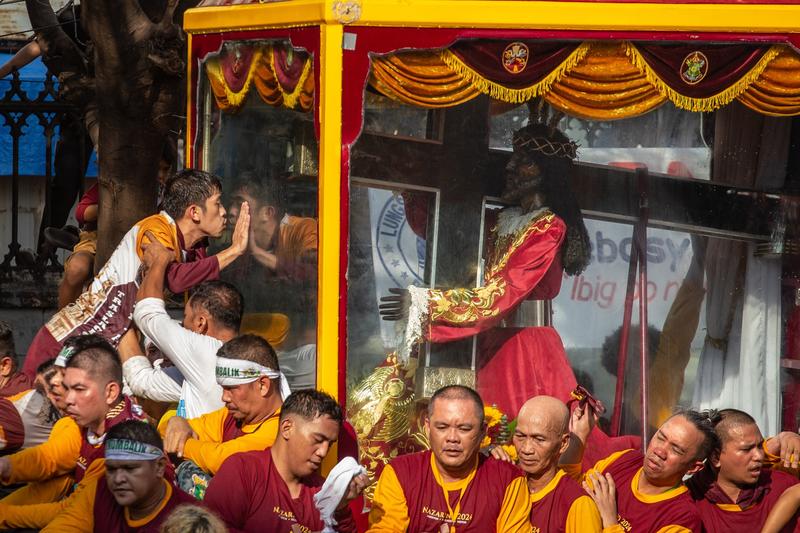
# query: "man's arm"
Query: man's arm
{"points": [[78, 515], [581, 423], [515, 511], [211, 455], [56, 456], [144, 380], [389, 508], [37, 516], [784, 448]]}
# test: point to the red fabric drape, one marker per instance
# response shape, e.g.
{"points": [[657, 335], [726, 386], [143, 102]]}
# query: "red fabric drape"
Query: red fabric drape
{"points": [[725, 65], [486, 58], [235, 63]]}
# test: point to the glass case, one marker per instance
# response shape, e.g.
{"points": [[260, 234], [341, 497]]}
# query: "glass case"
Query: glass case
{"points": [[608, 202]]}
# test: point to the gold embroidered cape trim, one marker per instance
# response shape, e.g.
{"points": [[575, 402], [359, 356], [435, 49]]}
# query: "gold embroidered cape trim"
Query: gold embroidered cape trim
{"points": [[508, 244]]}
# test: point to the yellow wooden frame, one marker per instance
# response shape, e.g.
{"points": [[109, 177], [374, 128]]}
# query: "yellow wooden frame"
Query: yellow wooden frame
{"points": [[332, 17], [746, 18]]}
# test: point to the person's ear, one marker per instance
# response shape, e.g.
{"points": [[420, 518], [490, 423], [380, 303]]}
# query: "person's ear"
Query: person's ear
{"points": [[194, 213], [271, 211], [6, 366], [201, 323], [161, 465], [564, 443], [264, 386], [698, 466], [285, 428], [426, 426], [714, 458], [113, 392]]}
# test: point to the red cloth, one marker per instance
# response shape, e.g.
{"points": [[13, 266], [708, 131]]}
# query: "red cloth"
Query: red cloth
{"points": [[90, 197], [486, 57], [12, 430], [261, 500], [110, 516], [480, 505], [43, 348], [527, 266], [678, 510], [755, 502], [726, 65], [19, 382], [515, 364]]}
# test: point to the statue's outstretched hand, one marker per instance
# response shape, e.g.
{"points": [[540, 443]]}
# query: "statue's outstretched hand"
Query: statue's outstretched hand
{"points": [[395, 307]]}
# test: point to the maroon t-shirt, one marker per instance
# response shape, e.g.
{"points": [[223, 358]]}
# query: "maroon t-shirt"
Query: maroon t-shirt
{"points": [[639, 512], [12, 430], [549, 514], [110, 516], [480, 505], [123, 410], [730, 517], [249, 494], [19, 382]]}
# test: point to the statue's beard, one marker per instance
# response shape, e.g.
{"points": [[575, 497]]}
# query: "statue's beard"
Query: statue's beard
{"points": [[517, 190]]}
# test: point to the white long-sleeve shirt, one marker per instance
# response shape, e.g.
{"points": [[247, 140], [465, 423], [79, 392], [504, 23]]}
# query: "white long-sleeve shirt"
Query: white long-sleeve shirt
{"points": [[193, 354], [147, 381]]}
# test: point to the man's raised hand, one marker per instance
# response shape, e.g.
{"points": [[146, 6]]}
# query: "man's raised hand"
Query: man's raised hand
{"points": [[241, 232], [155, 253]]}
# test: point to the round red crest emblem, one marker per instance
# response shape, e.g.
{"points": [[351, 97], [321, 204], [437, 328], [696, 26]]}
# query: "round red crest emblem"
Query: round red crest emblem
{"points": [[515, 57]]}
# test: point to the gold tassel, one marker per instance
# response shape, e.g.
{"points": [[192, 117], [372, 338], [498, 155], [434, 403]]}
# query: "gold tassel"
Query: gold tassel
{"points": [[711, 103], [290, 99], [514, 96], [235, 99]]}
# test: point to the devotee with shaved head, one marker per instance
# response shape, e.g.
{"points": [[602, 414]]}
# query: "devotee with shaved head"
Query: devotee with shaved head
{"points": [[737, 488], [649, 491], [451, 486], [558, 503]]}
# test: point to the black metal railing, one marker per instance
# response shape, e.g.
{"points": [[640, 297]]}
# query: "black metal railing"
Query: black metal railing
{"points": [[19, 101]]}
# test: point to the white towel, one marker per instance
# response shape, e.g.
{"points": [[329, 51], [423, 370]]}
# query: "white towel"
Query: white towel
{"points": [[334, 489]]}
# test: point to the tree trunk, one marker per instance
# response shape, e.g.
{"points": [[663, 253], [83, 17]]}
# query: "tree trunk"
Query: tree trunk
{"points": [[138, 70]]}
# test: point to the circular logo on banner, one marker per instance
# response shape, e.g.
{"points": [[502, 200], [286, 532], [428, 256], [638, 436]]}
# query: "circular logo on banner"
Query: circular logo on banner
{"points": [[694, 68], [515, 57], [401, 251]]}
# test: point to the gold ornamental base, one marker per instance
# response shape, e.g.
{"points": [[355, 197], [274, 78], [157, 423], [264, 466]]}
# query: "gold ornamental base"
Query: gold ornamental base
{"points": [[429, 379]]}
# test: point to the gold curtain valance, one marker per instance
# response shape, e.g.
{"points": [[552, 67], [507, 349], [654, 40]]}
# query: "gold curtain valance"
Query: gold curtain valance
{"points": [[600, 80], [595, 80], [280, 76]]}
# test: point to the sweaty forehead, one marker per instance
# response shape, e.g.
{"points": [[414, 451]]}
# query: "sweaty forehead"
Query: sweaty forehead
{"points": [[738, 433], [455, 410], [74, 376]]}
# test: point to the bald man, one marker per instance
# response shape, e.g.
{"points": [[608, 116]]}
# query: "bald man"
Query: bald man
{"points": [[558, 503]]}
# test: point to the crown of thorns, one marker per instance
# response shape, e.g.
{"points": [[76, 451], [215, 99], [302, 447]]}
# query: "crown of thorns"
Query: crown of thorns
{"points": [[529, 143]]}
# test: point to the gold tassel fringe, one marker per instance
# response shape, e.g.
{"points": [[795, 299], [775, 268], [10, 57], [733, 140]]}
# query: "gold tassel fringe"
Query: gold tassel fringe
{"points": [[235, 99], [514, 96], [700, 104]]}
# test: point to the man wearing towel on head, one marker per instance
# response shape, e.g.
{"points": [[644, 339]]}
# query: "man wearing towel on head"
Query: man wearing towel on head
{"points": [[253, 390]]}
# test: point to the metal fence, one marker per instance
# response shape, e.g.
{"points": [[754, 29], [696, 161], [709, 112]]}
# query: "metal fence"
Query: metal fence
{"points": [[31, 114]]}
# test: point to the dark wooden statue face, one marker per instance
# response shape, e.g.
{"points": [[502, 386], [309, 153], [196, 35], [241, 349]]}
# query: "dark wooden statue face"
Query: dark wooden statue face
{"points": [[523, 177]]}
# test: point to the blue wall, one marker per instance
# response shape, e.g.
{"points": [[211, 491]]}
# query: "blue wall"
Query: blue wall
{"points": [[32, 145]]}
